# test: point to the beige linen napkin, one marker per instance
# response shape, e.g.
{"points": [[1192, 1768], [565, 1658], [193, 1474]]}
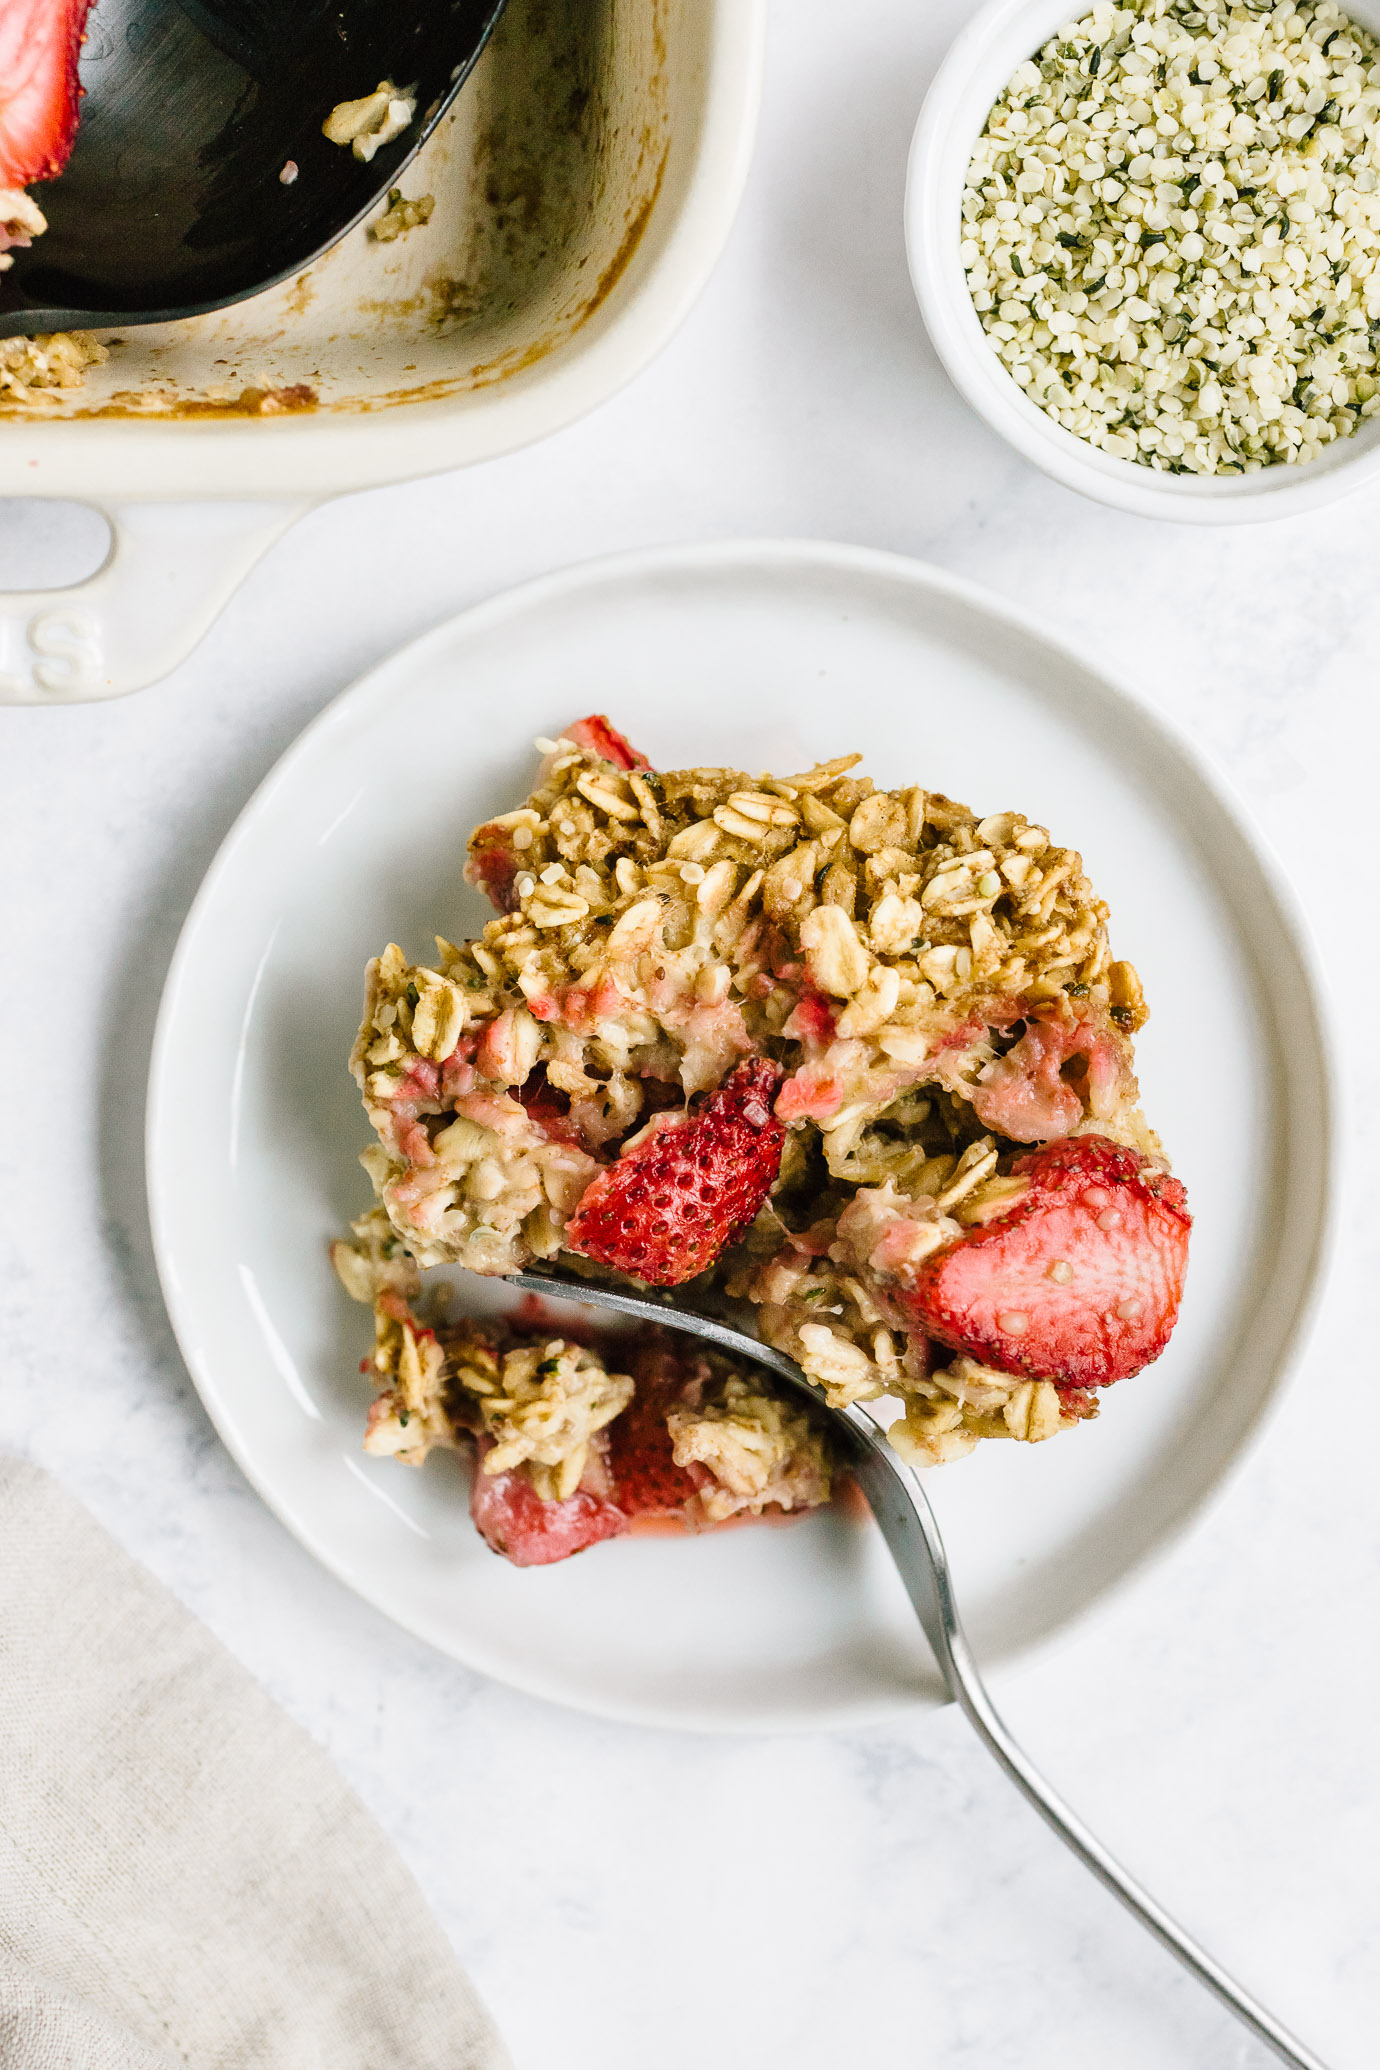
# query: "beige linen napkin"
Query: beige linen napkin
{"points": [[184, 1878]]}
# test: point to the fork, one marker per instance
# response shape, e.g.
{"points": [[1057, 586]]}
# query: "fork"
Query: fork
{"points": [[907, 1523]]}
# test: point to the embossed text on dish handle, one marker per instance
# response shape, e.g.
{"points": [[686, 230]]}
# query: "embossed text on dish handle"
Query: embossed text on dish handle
{"points": [[170, 570]]}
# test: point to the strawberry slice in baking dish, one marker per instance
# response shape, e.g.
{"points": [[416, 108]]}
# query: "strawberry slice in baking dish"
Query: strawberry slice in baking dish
{"points": [[861, 1058], [40, 94]]}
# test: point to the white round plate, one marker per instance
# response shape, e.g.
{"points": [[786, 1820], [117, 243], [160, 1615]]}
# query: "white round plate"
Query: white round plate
{"points": [[761, 654]]}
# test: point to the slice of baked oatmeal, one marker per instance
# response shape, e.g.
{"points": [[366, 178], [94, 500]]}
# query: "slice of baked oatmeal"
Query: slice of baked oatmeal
{"points": [[856, 1056]]}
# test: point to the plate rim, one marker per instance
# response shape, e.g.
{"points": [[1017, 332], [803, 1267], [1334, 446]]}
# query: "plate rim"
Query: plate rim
{"points": [[735, 555]]}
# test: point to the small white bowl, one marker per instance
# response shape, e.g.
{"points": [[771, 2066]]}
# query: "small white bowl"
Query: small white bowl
{"points": [[1001, 36]]}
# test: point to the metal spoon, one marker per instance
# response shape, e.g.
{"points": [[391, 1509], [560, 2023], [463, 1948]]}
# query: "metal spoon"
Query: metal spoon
{"points": [[907, 1523], [175, 198]]}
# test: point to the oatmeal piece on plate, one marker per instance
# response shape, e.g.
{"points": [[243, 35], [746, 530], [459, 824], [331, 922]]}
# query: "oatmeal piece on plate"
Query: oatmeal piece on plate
{"points": [[568, 1448], [859, 1057]]}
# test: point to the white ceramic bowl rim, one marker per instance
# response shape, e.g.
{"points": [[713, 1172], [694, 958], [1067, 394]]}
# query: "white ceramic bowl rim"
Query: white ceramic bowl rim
{"points": [[1000, 36]]}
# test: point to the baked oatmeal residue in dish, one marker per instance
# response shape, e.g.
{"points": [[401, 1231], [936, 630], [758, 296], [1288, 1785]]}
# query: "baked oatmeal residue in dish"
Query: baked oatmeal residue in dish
{"points": [[857, 1057], [375, 120], [29, 367]]}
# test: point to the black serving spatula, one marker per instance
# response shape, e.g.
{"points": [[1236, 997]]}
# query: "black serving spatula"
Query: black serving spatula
{"points": [[174, 201]]}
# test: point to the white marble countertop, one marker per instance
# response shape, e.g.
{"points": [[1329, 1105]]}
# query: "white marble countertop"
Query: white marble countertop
{"points": [[629, 1898]]}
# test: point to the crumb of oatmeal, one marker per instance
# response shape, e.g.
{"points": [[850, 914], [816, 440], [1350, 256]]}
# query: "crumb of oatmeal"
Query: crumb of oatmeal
{"points": [[402, 215], [55, 359], [21, 221], [367, 124]]}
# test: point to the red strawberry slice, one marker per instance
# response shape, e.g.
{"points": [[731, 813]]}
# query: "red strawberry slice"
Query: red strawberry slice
{"points": [[645, 1474], [40, 42], [512, 1519], [597, 737], [668, 1206], [646, 1479], [1080, 1283]]}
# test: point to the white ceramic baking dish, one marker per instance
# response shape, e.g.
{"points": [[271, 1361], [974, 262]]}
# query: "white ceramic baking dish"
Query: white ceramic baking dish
{"points": [[584, 184]]}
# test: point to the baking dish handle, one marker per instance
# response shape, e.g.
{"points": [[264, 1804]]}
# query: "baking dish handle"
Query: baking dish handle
{"points": [[166, 577]]}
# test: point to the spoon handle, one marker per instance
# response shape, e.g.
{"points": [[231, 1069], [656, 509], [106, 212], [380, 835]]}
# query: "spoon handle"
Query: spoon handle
{"points": [[907, 1523], [902, 1510]]}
